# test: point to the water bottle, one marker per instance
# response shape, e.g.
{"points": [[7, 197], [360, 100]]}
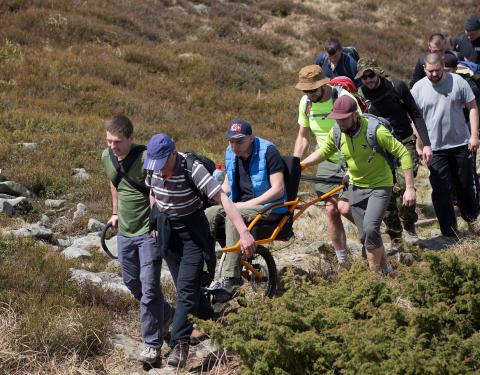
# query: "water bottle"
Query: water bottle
{"points": [[218, 173]]}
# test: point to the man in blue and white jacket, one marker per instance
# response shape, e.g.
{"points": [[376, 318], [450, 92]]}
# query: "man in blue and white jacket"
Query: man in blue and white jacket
{"points": [[254, 177]]}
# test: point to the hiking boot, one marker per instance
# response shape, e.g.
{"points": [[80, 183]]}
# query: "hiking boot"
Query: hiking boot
{"points": [[396, 246], [150, 356], [409, 229], [179, 354]]}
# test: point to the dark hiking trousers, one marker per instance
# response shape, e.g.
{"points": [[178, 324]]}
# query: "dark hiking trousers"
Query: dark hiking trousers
{"points": [[452, 170], [141, 267], [185, 261]]}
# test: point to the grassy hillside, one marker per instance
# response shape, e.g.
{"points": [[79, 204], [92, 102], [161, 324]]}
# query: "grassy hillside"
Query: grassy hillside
{"points": [[176, 66]]}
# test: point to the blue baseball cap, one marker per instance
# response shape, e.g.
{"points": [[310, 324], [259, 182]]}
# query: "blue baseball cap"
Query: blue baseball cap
{"points": [[159, 148], [238, 129]]}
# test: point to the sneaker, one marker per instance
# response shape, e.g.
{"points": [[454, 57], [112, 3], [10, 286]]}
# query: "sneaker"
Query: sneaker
{"points": [[150, 355], [228, 283], [396, 246], [345, 264], [179, 354]]}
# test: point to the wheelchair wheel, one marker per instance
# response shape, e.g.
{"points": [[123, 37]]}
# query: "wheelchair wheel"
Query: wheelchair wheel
{"points": [[262, 261], [103, 243]]}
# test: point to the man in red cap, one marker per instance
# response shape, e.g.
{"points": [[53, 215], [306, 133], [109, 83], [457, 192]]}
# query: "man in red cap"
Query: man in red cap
{"points": [[370, 174]]}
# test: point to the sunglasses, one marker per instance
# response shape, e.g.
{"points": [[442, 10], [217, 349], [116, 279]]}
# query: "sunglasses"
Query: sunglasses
{"points": [[310, 92], [367, 76]]}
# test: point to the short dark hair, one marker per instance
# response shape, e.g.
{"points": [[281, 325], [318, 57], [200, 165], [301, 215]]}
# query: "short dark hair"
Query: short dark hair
{"points": [[332, 45], [433, 59], [119, 124], [436, 38]]}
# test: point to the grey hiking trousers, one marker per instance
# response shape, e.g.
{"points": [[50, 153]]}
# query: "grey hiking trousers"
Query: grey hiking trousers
{"points": [[368, 209]]}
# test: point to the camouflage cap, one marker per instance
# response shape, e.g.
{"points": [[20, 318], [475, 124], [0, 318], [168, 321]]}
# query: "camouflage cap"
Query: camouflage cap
{"points": [[365, 64]]}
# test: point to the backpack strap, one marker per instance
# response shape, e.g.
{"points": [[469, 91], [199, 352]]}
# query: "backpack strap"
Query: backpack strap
{"points": [[187, 172], [123, 168], [337, 136], [373, 123]]}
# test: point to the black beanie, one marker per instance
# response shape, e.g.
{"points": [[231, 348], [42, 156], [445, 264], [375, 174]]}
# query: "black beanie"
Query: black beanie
{"points": [[451, 61], [472, 23]]}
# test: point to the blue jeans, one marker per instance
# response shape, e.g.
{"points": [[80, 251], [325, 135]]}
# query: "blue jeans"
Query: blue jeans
{"points": [[141, 267]]}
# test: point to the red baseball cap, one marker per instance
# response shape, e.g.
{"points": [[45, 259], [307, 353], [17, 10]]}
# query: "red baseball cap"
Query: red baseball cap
{"points": [[343, 107]]}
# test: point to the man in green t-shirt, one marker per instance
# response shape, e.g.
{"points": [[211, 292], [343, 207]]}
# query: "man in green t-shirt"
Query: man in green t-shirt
{"points": [[371, 178], [137, 251], [315, 105]]}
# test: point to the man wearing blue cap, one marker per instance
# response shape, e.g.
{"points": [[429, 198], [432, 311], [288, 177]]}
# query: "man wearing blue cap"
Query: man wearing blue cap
{"points": [[137, 253], [183, 232], [254, 177]]}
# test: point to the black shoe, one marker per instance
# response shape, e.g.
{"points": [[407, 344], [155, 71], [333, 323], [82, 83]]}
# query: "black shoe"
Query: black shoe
{"points": [[178, 356]]}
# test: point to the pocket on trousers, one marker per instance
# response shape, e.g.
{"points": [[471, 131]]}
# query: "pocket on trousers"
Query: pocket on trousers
{"points": [[150, 250]]}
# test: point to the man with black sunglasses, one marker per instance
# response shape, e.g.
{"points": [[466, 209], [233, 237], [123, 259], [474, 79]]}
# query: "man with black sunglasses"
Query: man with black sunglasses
{"points": [[313, 109], [390, 98]]}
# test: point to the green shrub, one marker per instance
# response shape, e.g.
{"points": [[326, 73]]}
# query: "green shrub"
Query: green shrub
{"points": [[355, 325]]}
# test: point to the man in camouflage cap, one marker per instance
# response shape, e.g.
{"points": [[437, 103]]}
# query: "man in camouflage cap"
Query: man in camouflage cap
{"points": [[390, 98]]}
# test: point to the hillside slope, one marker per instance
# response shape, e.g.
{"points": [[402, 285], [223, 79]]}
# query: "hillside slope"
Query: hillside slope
{"points": [[187, 68]]}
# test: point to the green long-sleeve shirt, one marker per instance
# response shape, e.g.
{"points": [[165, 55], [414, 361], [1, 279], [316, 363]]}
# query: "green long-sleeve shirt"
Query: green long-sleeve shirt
{"points": [[356, 151]]}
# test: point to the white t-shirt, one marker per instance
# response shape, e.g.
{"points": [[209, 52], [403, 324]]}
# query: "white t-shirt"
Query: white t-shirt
{"points": [[442, 108]]}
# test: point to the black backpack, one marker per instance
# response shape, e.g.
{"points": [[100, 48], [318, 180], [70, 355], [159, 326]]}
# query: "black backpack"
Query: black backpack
{"points": [[190, 158], [123, 168]]}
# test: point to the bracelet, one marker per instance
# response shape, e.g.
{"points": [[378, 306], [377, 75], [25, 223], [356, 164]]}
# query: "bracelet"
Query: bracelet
{"points": [[115, 214]]}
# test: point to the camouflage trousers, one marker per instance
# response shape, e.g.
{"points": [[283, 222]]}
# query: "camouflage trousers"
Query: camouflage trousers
{"points": [[397, 214]]}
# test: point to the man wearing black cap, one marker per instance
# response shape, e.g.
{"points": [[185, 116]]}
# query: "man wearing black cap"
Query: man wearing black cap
{"points": [[183, 232], [254, 177], [467, 44], [371, 178]]}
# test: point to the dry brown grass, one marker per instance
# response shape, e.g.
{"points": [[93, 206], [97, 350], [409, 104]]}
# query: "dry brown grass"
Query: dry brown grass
{"points": [[175, 66]]}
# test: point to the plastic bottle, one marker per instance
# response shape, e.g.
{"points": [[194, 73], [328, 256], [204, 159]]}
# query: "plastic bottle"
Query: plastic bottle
{"points": [[218, 173]]}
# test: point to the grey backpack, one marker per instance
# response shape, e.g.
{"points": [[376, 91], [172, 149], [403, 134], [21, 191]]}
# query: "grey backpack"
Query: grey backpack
{"points": [[373, 123]]}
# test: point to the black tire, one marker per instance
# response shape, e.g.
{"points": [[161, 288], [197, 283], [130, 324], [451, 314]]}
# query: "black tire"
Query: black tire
{"points": [[262, 260], [104, 244]]}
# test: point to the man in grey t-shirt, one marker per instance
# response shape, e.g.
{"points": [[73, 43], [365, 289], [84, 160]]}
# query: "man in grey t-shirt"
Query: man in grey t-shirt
{"points": [[441, 97]]}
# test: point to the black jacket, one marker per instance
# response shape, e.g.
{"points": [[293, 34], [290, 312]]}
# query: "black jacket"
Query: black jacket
{"points": [[393, 101], [198, 227], [466, 48]]}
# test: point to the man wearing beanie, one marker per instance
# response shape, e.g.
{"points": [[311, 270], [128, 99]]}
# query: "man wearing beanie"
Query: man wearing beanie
{"points": [[467, 44]]}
